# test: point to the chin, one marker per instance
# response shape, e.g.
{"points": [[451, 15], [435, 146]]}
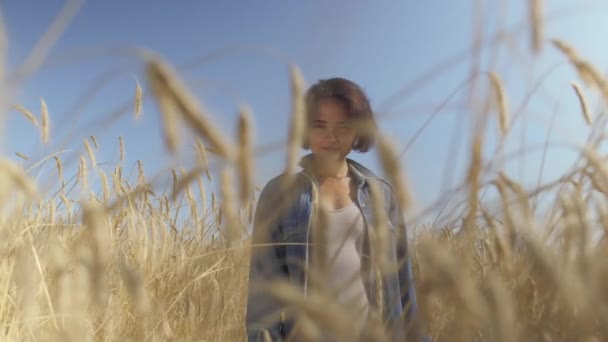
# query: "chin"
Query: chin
{"points": [[330, 155]]}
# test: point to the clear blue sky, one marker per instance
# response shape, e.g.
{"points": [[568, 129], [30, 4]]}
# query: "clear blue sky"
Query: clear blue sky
{"points": [[381, 45]]}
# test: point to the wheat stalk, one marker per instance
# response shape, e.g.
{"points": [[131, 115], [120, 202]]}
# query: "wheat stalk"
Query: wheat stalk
{"points": [[94, 140], [298, 121], [117, 179], [391, 165], [522, 196], [13, 175], [27, 114], [202, 157], [52, 207], [320, 258], [379, 237], [501, 99], [245, 155], [322, 313], [229, 209], [90, 153], [24, 279], [59, 167], [203, 194], [588, 73], [104, 185], [536, 23], [138, 101], [44, 282], [22, 156], [583, 103], [193, 205], [180, 184], [175, 182], [141, 176], [83, 173], [213, 203], [45, 121], [95, 219], [121, 146], [167, 110], [166, 85], [140, 303], [473, 178]]}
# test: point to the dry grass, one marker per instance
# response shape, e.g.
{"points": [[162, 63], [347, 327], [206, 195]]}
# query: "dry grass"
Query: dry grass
{"points": [[138, 263]]}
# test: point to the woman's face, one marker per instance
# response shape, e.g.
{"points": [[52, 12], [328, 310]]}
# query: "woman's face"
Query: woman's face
{"points": [[332, 133]]}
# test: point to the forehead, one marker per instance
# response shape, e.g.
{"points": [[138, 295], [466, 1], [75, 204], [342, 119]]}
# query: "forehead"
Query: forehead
{"points": [[330, 110]]}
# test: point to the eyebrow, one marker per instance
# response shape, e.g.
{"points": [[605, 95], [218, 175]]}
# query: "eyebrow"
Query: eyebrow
{"points": [[341, 123]]}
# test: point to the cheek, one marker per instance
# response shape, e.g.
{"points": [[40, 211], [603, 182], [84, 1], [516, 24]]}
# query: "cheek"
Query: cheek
{"points": [[349, 139], [313, 139]]}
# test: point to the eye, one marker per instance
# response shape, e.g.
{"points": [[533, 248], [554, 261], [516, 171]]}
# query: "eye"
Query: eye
{"points": [[344, 128]]}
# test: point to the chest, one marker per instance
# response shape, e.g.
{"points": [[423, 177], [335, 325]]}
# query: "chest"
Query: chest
{"points": [[337, 195]]}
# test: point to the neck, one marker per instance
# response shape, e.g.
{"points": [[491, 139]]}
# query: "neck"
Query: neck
{"points": [[329, 168]]}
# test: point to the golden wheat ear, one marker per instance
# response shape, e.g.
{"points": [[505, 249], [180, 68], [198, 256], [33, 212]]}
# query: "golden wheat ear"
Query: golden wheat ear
{"points": [[582, 100], [501, 100], [45, 129], [535, 10], [139, 95], [245, 155], [27, 114], [175, 100]]}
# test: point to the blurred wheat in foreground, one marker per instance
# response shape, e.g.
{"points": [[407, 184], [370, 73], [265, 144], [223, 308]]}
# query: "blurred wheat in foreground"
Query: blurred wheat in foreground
{"points": [[135, 263]]}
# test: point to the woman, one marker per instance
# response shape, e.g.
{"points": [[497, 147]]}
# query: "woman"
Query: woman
{"points": [[340, 120]]}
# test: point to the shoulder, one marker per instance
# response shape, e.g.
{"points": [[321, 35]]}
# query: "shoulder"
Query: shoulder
{"points": [[276, 184], [272, 188], [371, 177], [375, 182], [385, 188], [273, 182]]}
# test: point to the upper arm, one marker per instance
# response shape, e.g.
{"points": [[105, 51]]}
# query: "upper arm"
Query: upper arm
{"points": [[266, 266], [396, 214], [267, 222]]}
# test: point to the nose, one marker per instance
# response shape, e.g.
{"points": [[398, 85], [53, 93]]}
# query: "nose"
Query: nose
{"points": [[330, 134]]}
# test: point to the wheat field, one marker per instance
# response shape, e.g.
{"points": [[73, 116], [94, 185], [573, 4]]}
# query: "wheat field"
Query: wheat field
{"points": [[126, 260]]}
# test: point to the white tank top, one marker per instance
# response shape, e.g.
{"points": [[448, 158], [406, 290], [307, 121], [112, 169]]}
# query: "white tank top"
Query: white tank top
{"points": [[345, 228]]}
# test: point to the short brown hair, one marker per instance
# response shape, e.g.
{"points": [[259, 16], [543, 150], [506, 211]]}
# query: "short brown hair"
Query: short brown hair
{"points": [[357, 105]]}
